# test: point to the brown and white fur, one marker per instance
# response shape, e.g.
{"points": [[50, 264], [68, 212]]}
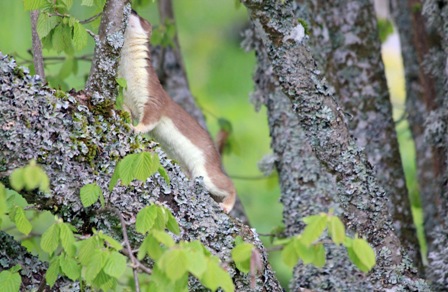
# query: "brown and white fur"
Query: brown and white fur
{"points": [[179, 133]]}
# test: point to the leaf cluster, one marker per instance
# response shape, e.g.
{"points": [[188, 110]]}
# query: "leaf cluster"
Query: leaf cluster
{"points": [[307, 247]]}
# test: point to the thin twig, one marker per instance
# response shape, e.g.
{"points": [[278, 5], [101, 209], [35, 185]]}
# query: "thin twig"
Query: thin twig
{"points": [[90, 19], [87, 58], [58, 14], [92, 34], [129, 250], [37, 46], [138, 264]]}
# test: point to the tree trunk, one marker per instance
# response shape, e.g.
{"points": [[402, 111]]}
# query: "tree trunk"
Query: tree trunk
{"points": [[363, 201], [349, 52]]}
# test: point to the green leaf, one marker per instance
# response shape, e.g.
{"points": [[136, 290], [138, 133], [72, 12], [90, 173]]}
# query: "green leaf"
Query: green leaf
{"points": [[94, 265], [22, 223], [115, 265], [53, 271], [144, 247], [50, 239], [164, 174], [70, 267], [319, 255], [126, 169], [16, 179], [122, 82], [3, 206], [197, 263], [34, 4], [100, 4], [144, 166], [32, 176], [87, 248], [80, 36], [172, 224], [174, 263], [145, 219], [151, 247], [336, 230], [314, 228], [10, 281], [163, 238], [289, 254], [305, 252], [225, 125], [67, 238], [46, 23], [112, 242], [215, 277], [365, 253], [162, 217], [355, 260], [87, 3], [104, 281], [68, 3], [15, 268], [90, 194], [241, 255], [62, 39], [114, 178]]}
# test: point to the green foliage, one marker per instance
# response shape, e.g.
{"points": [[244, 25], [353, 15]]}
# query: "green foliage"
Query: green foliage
{"points": [[135, 166], [164, 34], [385, 29], [90, 194], [17, 215], [29, 178], [242, 254], [360, 253], [61, 32], [35, 4], [10, 280], [307, 247], [98, 260]]}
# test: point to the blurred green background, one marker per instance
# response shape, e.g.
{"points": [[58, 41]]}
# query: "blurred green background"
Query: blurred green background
{"points": [[220, 75]]}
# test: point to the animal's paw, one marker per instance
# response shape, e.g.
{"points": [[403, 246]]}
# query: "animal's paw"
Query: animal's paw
{"points": [[226, 208]]}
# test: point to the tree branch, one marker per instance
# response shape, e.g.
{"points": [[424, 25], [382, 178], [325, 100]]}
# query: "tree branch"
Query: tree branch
{"points": [[37, 46], [107, 48]]}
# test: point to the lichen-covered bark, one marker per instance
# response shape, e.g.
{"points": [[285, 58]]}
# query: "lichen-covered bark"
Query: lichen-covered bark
{"points": [[363, 201], [416, 44], [349, 51], [78, 143], [436, 133], [307, 188], [108, 44]]}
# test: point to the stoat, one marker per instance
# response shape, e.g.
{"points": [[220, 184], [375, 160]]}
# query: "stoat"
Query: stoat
{"points": [[179, 134]]}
